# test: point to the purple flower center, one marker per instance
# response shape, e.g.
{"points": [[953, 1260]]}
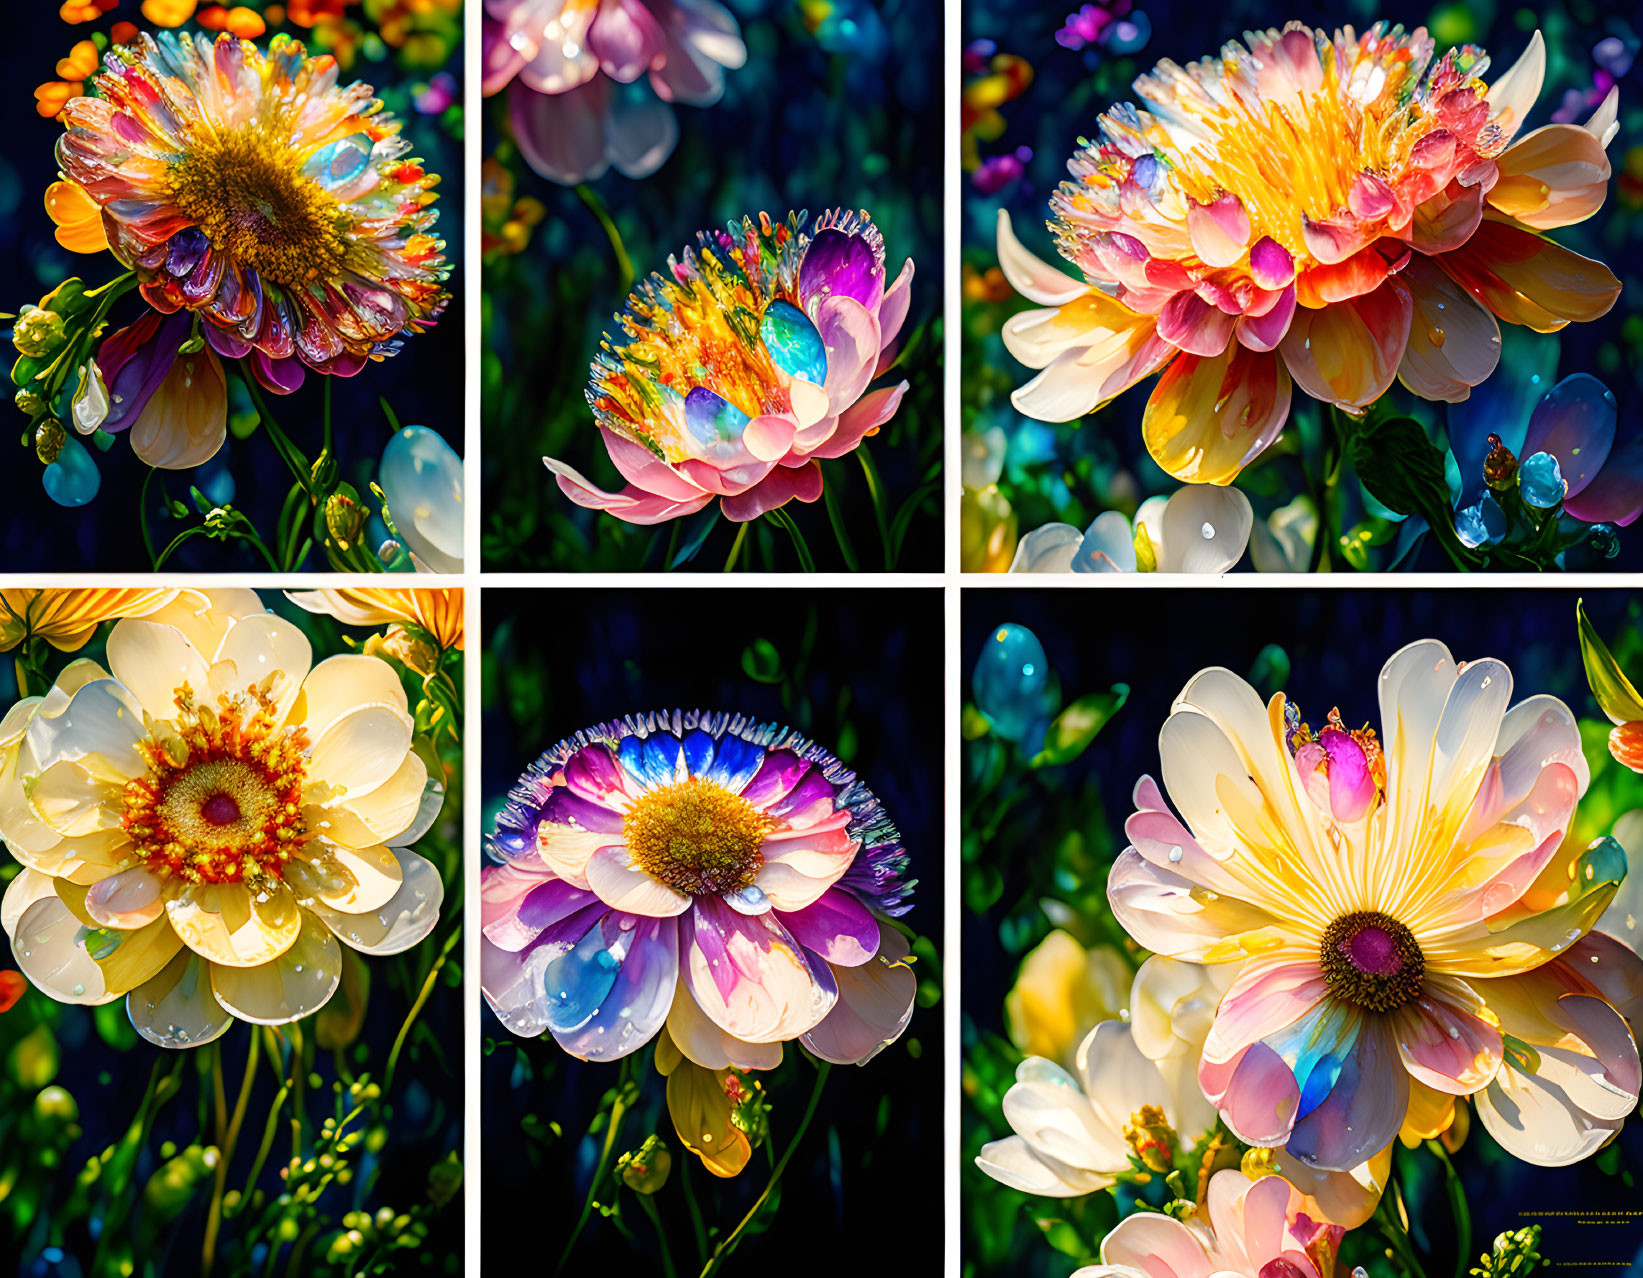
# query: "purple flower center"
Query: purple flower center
{"points": [[1372, 960], [220, 809]]}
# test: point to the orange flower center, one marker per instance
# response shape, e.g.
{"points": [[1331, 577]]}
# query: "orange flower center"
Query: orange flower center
{"points": [[1372, 960], [222, 799], [249, 196], [697, 837]]}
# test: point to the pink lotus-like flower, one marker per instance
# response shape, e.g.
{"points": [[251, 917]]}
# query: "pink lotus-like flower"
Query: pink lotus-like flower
{"points": [[734, 376], [1248, 1228], [1330, 212], [1405, 920], [572, 70]]}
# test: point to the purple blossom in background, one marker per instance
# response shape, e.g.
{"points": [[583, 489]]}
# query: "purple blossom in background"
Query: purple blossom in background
{"points": [[1000, 171]]}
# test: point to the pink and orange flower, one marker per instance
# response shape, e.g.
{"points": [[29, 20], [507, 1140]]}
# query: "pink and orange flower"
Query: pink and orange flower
{"points": [[742, 369], [248, 189], [1337, 212]]}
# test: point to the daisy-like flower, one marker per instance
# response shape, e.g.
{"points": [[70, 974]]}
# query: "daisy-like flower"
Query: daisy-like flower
{"points": [[702, 873], [250, 189], [1337, 212], [202, 826], [1401, 915], [1076, 1133], [572, 70], [745, 366], [1199, 530], [1249, 1228]]}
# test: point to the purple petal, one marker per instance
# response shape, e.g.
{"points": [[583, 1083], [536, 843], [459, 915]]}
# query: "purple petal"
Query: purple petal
{"points": [[775, 779], [1362, 1112], [812, 797], [840, 265], [135, 360], [1615, 496], [593, 774], [562, 807], [1574, 422], [837, 926]]}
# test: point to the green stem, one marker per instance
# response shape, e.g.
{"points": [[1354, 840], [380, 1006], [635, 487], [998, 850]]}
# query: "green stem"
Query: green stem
{"points": [[1395, 1234], [875, 489], [1458, 1208], [736, 546], [649, 1207], [596, 206], [836, 518], [725, 1247], [617, 1110], [225, 1153], [416, 1008], [289, 453], [783, 520], [696, 1224], [142, 518]]}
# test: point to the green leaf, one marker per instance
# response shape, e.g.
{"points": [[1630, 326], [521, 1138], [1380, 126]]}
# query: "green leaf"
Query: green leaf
{"points": [[1076, 726], [762, 662], [1614, 692], [1403, 470]]}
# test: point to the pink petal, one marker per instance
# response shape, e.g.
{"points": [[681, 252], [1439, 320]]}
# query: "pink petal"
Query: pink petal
{"points": [[837, 927], [1219, 230], [1443, 1040], [562, 135], [625, 38], [781, 486], [1270, 264], [750, 976], [633, 504], [861, 419], [1193, 325], [1255, 1092], [893, 308], [1348, 353], [1264, 332], [874, 1005]]}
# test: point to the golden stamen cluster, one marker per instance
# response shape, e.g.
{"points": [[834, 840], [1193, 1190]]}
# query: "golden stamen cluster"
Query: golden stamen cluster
{"points": [[222, 799], [697, 837]]}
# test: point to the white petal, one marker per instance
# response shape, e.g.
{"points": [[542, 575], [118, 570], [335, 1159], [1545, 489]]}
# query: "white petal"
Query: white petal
{"points": [[177, 1008], [403, 921], [294, 985], [154, 661]]}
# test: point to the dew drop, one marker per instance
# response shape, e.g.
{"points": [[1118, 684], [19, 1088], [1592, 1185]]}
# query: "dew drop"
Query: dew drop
{"points": [[1175, 854], [1208, 531]]}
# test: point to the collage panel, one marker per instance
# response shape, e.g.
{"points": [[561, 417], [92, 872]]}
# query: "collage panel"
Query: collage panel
{"points": [[1298, 289], [228, 239], [713, 286], [1302, 942], [712, 930], [230, 979]]}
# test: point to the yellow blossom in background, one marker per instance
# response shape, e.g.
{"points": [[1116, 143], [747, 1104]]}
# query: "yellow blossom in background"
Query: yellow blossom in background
{"points": [[79, 219], [66, 619], [439, 612], [168, 13], [1061, 993], [246, 23]]}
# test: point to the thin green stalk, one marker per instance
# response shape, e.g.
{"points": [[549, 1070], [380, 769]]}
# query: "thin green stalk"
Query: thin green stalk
{"points": [[729, 1242], [289, 453], [225, 1153], [142, 518], [596, 206], [649, 1207], [783, 520], [416, 1009], [875, 490], [836, 518], [1458, 1208], [617, 1110], [696, 1224], [1396, 1235], [736, 546]]}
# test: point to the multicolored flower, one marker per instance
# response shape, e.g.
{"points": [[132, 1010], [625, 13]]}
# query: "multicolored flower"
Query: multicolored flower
{"points": [[1249, 1228], [568, 66], [1340, 212], [249, 189], [175, 405], [200, 828], [1405, 923], [701, 876], [1197, 530], [734, 376]]}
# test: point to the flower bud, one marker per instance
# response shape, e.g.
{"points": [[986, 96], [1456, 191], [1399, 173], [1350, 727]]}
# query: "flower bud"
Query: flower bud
{"points": [[48, 441], [39, 334]]}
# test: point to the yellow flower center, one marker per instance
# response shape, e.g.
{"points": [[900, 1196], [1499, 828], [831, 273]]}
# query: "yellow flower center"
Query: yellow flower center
{"points": [[1372, 960], [697, 837], [222, 799], [249, 196]]}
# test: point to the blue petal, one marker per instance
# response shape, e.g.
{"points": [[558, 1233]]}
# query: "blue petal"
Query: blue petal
{"points": [[793, 342], [662, 750], [579, 980], [341, 162], [712, 419], [698, 747], [735, 763], [1540, 481]]}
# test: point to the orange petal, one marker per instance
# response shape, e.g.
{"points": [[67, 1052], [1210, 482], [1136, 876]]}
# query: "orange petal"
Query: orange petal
{"points": [[1348, 352], [1210, 417], [1528, 280], [1555, 176]]}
